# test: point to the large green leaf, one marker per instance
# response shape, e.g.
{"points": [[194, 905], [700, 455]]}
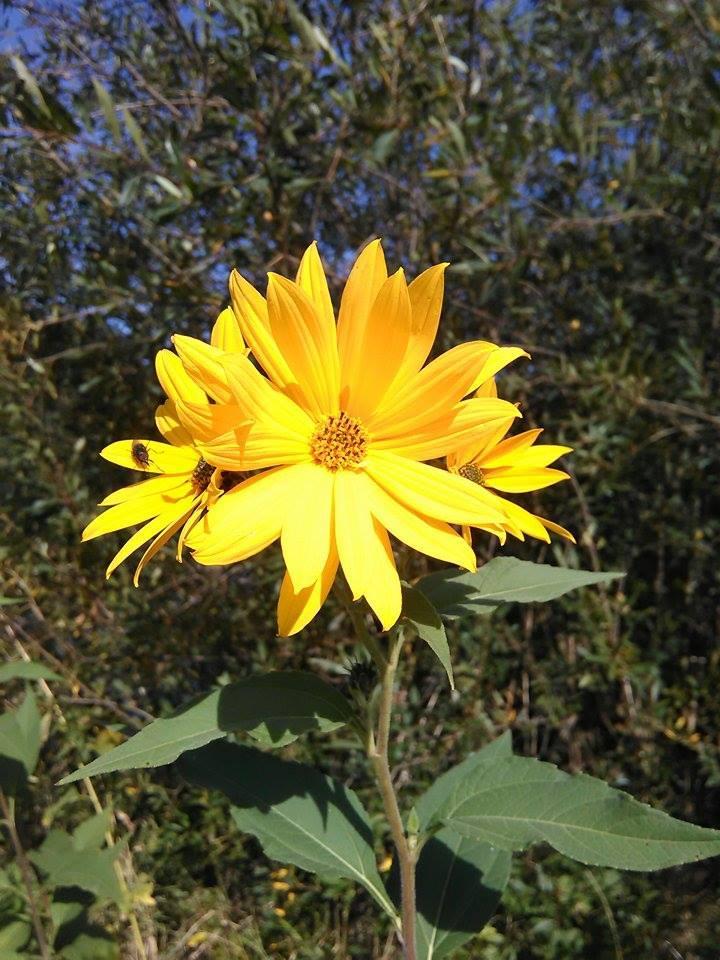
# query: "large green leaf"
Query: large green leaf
{"points": [[26, 670], [437, 794], [298, 815], [20, 739], [274, 708], [422, 615], [459, 885], [517, 801], [78, 860], [503, 580]]}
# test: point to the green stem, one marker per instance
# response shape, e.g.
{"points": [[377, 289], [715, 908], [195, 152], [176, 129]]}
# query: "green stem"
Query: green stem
{"points": [[378, 747]]}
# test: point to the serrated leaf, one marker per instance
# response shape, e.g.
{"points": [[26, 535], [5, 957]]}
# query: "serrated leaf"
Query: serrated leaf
{"points": [[274, 708], [419, 612], [514, 802], [504, 580], [108, 108], [20, 739], [298, 815], [68, 865], [26, 670], [459, 885], [442, 787]]}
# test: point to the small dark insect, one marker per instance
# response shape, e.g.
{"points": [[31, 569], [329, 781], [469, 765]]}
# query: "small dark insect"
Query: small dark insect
{"points": [[140, 455]]}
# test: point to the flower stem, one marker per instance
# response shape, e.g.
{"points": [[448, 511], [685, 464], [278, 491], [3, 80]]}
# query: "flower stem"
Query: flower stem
{"points": [[378, 754]]}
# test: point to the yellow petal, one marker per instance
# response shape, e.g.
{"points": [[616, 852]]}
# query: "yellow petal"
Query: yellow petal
{"points": [[511, 480], [296, 608], [307, 530], [252, 315], [192, 519], [364, 548], [245, 520], [524, 521], [161, 457], [432, 537], [431, 439], [556, 528], [159, 542], [433, 492], [484, 441], [208, 420], [204, 364], [519, 452], [496, 362], [174, 379], [255, 447], [307, 343], [260, 400], [164, 484], [226, 334], [430, 393], [168, 423], [385, 338], [312, 281], [145, 533], [134, 511], [366, 278], [426, 297], [487, 389]]}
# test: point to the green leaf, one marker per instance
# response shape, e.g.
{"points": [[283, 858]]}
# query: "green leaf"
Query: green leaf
{"points": [[459, 885], [77, 860], [517, 801], [298, 815], [26, 670], [31, 85], [422, 615], [108, 108], [136, 134], [274, 708], [14, 936], [504, 580], [20, 739], [437, 794]]}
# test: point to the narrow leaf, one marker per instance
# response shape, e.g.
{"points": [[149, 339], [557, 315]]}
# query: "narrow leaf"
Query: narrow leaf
{"points": [[108, 108], [504, 580], [459, 885], [136, 134], [274, 708], [419, 612], [298, 815], [26, 670], [31, 85], [517, 801]]}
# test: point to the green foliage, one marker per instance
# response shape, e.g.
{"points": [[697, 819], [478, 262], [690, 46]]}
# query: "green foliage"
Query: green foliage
{"points": [[26, 670], [424, 618], [20, 738], [272, 708], [512, 802], [563, 157], [503, 580], [299, 815]]}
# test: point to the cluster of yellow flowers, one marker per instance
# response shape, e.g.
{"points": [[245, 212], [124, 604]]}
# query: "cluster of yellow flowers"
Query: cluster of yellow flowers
{"points": [[328, 436]]}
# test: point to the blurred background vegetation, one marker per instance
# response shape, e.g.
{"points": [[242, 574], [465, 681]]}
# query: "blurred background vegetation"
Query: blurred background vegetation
{"points": [[564, 156]]}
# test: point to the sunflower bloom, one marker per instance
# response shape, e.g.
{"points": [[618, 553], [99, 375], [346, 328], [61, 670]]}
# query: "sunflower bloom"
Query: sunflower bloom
{"points": [[185, 484], [338, 430], [510, 465]]}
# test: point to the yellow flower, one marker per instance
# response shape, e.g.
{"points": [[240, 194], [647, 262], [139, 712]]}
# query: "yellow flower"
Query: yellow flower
{"points": [[186, 484], [338, 430], [512, 465]]}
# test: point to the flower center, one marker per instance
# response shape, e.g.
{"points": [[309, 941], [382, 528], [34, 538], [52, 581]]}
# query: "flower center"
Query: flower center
{"points": [[339, 442], [471, 472], [202, 475]]}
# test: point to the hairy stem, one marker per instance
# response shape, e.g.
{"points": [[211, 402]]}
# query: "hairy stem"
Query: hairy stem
{"points": [[27, 875], [378, 753]]}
